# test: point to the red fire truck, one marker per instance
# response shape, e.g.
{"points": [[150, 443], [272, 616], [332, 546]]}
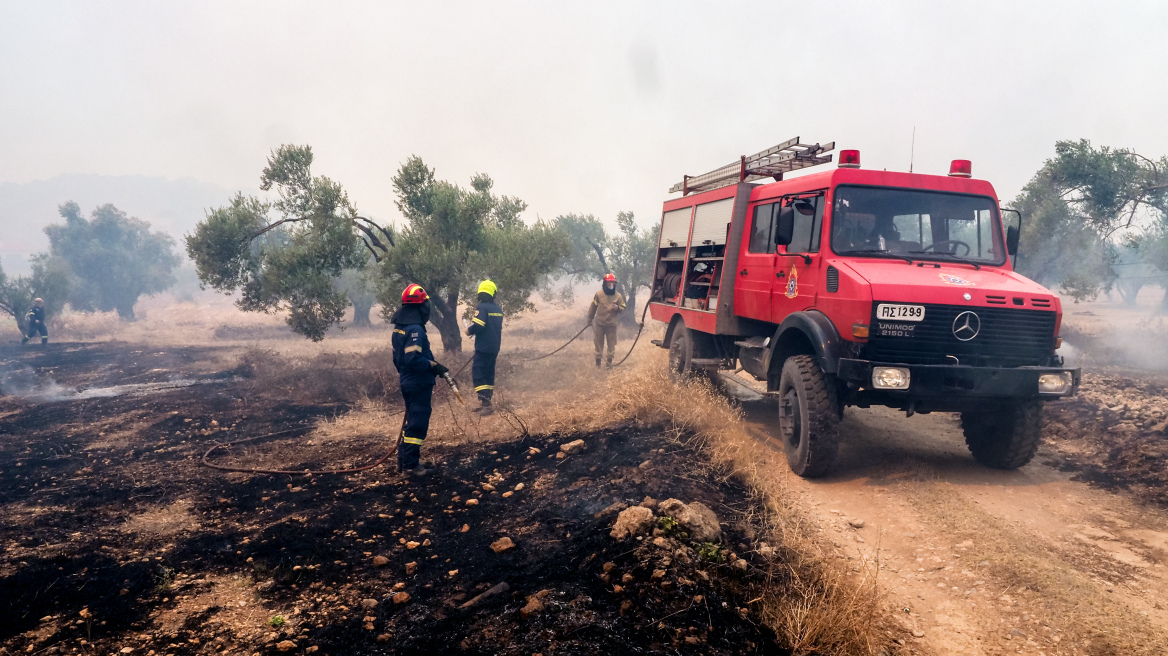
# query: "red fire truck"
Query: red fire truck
{"points": [[859, 287]]}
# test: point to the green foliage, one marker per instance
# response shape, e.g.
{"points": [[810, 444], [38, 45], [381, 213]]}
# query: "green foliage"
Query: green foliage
{"points": [[454, 238], [49, 281], [114, 258], [164, 579], [671, 527], [1081, 207], [276, 621], [291, 263], [628, 253], [710, 553]]}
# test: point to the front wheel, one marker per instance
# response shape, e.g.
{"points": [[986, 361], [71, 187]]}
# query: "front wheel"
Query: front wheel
{"points": [[809, 414], [1004, 438]]}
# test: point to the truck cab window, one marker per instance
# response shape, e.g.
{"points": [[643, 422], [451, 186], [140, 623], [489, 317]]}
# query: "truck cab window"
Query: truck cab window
{"points": [[808, 220], [760, 229]]}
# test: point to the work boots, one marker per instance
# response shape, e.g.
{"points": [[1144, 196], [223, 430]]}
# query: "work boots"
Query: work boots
{"points": [[608, 364], [598, 362]]}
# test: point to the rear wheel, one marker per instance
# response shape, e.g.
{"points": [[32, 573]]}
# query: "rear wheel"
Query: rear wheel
{"points": [[1004, 438], [808, 416], [683, 348]]}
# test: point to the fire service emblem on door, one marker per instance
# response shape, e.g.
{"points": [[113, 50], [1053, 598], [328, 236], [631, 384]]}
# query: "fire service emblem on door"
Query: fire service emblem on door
{"points": [[793, 284]]}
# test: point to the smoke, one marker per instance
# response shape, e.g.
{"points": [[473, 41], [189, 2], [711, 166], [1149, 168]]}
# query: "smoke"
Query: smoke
{"points": [[23, 383]]}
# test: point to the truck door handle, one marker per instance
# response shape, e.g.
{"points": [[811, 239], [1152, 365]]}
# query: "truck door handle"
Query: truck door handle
{"points": [[742, 272], [780, 274]]}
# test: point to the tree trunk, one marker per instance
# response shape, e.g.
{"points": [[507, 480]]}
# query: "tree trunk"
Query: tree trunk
{"points": [[445, 319], [629, 316], [361, 314]]}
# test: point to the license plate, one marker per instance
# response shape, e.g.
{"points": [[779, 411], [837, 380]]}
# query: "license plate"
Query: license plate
{"points": [[893, 312]]}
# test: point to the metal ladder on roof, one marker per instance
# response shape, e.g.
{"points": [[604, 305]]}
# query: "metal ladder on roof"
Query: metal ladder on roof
{"points": [[791, 155]]}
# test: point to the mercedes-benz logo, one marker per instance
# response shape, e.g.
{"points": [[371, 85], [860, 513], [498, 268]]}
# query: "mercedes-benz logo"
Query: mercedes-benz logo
{"points": [[966, 326]]}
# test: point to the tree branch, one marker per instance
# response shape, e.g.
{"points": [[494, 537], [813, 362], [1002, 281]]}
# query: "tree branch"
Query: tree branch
{"points": [[388, 235], [599, 253]]}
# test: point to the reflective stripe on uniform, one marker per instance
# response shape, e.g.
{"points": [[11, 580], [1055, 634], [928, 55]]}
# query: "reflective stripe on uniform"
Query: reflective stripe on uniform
{"points": [[484, 387], [413, 349], [412, 440], [479, 321], [399, 331], [494, 314]]}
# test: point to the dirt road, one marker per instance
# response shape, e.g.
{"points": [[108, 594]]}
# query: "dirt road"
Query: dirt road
{"points": [[978, 561]]}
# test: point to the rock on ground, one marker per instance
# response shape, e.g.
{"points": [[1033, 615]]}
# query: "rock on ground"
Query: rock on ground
{"points": [[632, 521], [502, 544], [696, 518]]}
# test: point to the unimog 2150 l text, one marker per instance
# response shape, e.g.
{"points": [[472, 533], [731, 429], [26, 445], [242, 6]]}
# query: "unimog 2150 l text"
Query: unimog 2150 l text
{"points": [[859, 287]]}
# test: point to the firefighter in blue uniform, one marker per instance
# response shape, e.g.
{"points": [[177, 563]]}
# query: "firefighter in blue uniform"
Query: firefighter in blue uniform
{"points": [[417, 370], [36, 322], [487, 329]]}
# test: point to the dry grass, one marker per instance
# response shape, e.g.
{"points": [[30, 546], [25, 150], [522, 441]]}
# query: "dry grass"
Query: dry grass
{"points": [[326, 377]]}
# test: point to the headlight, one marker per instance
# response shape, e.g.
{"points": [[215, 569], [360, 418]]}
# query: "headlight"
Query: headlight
{"points": [[890, 378], [1059, 383]]}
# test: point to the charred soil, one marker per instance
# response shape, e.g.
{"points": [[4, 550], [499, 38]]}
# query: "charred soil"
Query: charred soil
{"points": [[116, 540]]}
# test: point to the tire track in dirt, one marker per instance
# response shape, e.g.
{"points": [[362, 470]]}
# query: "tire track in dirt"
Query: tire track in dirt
{"points": [[979, 561]]}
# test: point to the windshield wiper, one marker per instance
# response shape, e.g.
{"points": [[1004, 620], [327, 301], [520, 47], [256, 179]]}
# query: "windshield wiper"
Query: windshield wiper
{"points": [[875, 252], [952, 257]]}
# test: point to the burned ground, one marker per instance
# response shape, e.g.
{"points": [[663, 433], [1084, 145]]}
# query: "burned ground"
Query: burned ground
{"points": [[114, 535], [1115, 433]]}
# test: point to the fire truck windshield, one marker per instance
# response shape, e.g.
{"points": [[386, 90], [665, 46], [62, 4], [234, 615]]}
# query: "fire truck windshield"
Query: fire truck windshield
{"points": [[922, 225]]}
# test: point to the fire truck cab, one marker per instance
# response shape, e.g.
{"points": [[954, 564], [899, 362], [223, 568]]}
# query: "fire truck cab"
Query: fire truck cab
{"points": [[859, 287]]}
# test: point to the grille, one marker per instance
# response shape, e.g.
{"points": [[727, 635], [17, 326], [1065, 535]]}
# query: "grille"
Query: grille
{"points": [[832, 279], [1008, 338]]}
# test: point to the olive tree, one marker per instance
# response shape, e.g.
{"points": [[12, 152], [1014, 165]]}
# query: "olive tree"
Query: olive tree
{"points": [[48, 281], [454, 237], [114, 258], [1081, 207], [287, 254], [628, 253]]}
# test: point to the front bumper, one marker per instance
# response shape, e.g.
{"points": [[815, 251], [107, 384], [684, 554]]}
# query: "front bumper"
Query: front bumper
{"points": [[949, 387]]}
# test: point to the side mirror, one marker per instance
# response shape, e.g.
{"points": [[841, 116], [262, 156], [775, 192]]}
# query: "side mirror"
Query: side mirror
{"points": [[1013, 231], [804, 207], [785, 226]]}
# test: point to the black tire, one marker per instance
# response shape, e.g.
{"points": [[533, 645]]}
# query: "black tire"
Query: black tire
{"points": [[809, 416], [1004, 438], [683, 348]]}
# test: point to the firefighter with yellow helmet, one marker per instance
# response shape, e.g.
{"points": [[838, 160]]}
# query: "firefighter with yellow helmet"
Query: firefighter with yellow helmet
{"points": [[487, 329], [603, 315]]}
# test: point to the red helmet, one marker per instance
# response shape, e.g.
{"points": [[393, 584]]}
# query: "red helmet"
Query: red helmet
{"points": [[414, 295], [608, 277]]}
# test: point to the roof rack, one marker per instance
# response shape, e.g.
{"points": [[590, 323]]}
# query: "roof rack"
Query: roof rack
{"points": [[770, 163]]}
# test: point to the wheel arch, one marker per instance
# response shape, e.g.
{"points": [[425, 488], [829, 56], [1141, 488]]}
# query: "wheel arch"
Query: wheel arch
{"points": [[676, 321], [805, 333]]}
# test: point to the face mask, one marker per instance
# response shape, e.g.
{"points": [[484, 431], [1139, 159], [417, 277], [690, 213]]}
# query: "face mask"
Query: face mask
{"points": [[425, 310]]}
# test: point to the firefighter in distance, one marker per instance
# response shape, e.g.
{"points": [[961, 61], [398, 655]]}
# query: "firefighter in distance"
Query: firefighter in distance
{"points": [[603, 315], [487, 329], [417, 369], [36, 322]]}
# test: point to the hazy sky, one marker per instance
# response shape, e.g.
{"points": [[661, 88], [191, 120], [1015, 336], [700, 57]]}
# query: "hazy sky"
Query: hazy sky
{"points": [[575, 107]]}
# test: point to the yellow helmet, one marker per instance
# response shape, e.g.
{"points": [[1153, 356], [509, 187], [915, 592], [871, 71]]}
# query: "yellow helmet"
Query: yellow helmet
{"points": [[488, 287]]}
